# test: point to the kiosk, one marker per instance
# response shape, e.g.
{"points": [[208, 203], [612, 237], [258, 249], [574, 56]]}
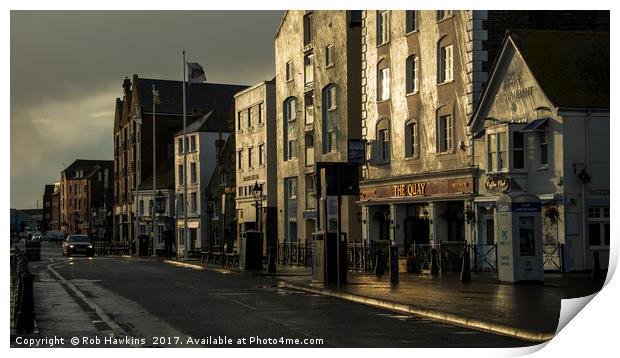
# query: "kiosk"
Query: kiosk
{"points": [[519, 238]]}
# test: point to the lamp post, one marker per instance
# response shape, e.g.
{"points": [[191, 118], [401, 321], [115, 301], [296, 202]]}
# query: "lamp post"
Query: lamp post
{"points": [[257, 193], [210, 203]]}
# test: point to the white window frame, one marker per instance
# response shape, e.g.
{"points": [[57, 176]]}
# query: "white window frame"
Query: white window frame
{"points": [[446, 64], [329, 55], [599, 215], [288, 71], [332, 99], [384, 84], [383, 27], [411, 67], [261, 153], [445, 143], [411, 139]]}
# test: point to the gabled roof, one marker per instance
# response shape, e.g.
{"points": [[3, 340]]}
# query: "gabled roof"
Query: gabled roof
{"points": [[210, 122], [572, 68], [205, 96]]}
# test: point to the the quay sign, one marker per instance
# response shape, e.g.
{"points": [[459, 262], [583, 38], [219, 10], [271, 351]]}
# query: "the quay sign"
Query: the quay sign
{"points": [[411, 189]]}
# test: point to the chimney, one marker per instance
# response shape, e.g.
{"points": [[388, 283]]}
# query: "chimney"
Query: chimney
{"points": [[127, 87]]}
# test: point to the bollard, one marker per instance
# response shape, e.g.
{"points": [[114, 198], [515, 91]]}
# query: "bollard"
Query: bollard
{"points": [[378, 263], [393, 264], [596, 272], [465, 270], [434, 263], [271, 264]]}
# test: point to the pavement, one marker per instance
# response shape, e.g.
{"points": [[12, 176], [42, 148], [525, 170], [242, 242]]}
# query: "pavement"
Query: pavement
{"points": [[526, 311]]}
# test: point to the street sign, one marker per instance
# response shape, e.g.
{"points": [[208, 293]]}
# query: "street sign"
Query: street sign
{"points": [[357, 151]]}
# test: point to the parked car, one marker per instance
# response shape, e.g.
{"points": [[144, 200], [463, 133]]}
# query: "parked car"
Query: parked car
{"points": [[53, 236], [36, 236], [78, 244]]}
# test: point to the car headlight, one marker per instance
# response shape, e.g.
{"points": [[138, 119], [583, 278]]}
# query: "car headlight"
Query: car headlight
{"points": [[71, 246], [90, 246]]}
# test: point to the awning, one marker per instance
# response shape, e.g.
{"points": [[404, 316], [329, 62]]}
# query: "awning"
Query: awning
{"points": [[535, 125]]}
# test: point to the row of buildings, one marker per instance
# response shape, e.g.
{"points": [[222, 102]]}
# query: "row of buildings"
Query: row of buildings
{"points": [[455, 109]]}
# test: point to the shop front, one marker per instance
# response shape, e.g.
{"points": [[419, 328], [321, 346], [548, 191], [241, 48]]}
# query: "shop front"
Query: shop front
{"points": [[418, 215]]}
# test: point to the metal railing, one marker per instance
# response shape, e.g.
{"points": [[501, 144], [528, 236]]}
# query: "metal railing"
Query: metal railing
{"points": [[294, 253], [103, 248], [22, 302]]}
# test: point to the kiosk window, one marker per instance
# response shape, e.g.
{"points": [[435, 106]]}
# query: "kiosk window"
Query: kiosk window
{"points": [[526, 236]]}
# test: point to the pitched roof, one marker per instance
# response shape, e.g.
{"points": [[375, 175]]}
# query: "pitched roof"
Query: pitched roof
{"points": [[571, 67], [205, 96], [165, 176], [88, 166], [210, 122]]}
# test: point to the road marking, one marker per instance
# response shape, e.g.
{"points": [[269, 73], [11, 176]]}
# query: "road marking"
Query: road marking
{"points": [[118, 330]]}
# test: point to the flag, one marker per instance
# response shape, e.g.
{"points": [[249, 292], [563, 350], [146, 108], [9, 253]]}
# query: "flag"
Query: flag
{"points": [[195, 73], [138, 116], [156, 98]]}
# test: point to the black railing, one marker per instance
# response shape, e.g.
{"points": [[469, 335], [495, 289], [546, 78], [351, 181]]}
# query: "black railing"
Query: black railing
{"points": [[294, 253], [22, 302], [103, 248]]}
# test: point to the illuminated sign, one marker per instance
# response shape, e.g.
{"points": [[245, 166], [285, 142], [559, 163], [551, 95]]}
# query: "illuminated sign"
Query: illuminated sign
{"points": [[411, 189]]}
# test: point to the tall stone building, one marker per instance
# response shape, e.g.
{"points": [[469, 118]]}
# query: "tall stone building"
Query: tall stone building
{"points": [[46, 222], [133, 144], [256, 162], [317, 111], [422, 74]]}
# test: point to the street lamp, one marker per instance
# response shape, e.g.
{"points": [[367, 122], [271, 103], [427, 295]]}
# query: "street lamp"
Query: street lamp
{"points": [[257, 193], [210, 203]]}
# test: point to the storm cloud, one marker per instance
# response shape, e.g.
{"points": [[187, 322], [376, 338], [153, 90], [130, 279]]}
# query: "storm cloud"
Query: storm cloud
{"points": [[67, 68]]}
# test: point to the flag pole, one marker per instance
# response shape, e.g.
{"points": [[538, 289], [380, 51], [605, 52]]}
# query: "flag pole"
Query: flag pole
{"points": [[186, 245], [154, 179]]}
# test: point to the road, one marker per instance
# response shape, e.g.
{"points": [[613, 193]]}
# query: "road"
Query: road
{"points": [[140, 299]]}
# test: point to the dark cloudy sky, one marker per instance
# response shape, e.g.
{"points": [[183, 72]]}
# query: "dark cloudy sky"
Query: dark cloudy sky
{"points": [[67, 68]]}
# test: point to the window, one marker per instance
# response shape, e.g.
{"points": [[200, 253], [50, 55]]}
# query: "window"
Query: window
{"points": [[411, 140], [289, 127], [381, 150], [412, 74], [239, 158], [445, 64], [492, 157], [544, 147], [292, 148], [445, 133], [383, 27], [518, 150], [310, 193], [598, 226], [181, 204], [309, 149], [193, 143], [309, 109], [181, 181], [216, 210], [290, 110], [260, 113], [222, 178], [329, 55], [249, 117], [250, 157], [239, 120], [261, 154], [192, 171], [307, 28], [180, 146], [194, 202], [443, 14], [332, 141], [502, 144], [331, 98], [308, 69], [383, 82], [141, 207], [411, 20], [289, 71]]}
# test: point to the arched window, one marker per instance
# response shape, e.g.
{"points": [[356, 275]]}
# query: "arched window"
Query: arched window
{"points": [[289, 128], [445, 60], [383, 141], [445, 130], [383, 80], [411, 139], [411, 74], [330, 118]]}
